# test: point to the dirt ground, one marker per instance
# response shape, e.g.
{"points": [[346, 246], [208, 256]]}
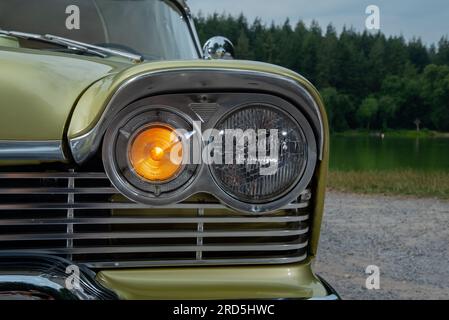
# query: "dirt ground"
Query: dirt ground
{"points": [[408, 239]]}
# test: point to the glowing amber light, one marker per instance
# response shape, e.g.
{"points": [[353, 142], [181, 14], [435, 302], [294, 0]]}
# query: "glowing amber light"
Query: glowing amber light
{"points": [[150, 153]]}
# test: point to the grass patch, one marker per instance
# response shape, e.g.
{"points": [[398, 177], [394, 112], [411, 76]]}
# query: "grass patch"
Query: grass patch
{"points": [[400, 182]]}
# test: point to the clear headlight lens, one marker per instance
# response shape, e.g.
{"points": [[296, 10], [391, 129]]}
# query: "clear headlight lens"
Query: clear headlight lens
{"points": [[277, 165]]}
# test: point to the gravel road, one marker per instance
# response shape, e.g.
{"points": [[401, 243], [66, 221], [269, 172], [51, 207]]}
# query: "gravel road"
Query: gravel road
{"points": [[408, 239]]}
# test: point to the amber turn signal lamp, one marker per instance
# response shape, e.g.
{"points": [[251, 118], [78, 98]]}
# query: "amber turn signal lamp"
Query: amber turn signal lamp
{"points": [[150, 153]]}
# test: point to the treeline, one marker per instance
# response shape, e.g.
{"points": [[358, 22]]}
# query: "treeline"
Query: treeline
{"points": [[367, 80]]}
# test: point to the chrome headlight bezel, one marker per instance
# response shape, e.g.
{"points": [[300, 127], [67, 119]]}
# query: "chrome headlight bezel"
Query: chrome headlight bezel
{"points": [[303, 129], [117, 164], [187, 106]]}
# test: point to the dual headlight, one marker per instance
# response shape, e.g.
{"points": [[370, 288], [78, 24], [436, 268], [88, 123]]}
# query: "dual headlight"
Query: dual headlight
{"points": [[255, 157]]}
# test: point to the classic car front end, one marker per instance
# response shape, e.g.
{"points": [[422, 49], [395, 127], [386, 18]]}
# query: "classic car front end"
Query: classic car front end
{"points": [[88, 186]]}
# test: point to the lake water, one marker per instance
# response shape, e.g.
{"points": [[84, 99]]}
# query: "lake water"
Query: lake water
{"points": [[374, 153]]}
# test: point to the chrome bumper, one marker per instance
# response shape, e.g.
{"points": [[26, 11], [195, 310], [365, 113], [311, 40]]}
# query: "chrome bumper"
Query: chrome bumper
{"points": [[44, 277]]}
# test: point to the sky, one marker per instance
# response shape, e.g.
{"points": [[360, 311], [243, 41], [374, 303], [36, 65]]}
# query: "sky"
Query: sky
{"points": [[428, 20]]}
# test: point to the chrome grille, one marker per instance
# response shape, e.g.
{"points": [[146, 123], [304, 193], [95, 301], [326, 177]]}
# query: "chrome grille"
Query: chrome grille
{"points": [[82, 217]]}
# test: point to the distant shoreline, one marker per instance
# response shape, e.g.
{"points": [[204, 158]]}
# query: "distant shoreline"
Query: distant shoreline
{"points": [[424, 133], [393, 182]]}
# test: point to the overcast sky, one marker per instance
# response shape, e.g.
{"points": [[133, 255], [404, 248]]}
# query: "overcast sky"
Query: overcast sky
{"points": [[426, 19]]}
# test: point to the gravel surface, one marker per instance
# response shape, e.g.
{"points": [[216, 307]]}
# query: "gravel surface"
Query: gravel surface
{"points": [[408, 239]]}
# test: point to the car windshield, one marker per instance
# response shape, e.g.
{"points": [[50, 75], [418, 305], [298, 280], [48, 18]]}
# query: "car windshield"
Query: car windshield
{"points": [[155, 29]]}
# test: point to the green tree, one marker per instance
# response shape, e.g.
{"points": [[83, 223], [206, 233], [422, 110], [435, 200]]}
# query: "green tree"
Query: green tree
{"points": [[442, 56], [435, 90], [242, 48], [418, 54], [367, 111], [339, 109], [387, 111], [327, 64]]}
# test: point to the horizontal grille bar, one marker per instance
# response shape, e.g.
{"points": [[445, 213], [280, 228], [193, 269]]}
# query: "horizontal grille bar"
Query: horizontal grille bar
{"points": [[53, 175], [167, 248], [58, 191], [157, 235], [152, 220], [121, 205]]}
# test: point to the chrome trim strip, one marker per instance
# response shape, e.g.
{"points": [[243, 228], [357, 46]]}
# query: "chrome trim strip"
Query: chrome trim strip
{"points": [[156, 235], [193, 262], [70, 213], [58, 191], [123, 205], [32, 150], [169, 248], [53, 175], [199, 238], [153, 220]]}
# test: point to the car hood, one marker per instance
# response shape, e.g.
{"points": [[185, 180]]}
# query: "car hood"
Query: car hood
{"points": [[38, 90]]}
